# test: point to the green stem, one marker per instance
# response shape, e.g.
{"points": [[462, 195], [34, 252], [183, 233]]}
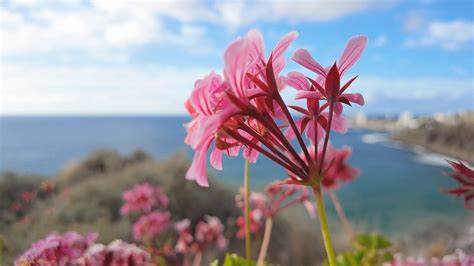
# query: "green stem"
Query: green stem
{"points": [[248, 243], [324, 225]]}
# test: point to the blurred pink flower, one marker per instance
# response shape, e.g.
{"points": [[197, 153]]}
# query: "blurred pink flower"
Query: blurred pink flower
{"points": [[116, 253], [28, 196], [276, 198], [57, 249], [185, 239], [465, 177], [151, 225], [143, 198], [459, 258], [210, 232]]}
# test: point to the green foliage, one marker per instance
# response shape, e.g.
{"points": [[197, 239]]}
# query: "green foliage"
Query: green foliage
{"points": [[368, 250], [233, 260]]}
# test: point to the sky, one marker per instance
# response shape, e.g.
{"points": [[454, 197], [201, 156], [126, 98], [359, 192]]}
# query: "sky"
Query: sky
{"points": [[141, 58]]}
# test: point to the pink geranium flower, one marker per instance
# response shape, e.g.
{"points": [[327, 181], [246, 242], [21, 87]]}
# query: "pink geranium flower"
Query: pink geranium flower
{"points": [[57, 249], [151, 225], [465, 177], [143, 198], [276, 198], [114, 254], [207, 233], [244, 108], [217, 104], [328, 83]]}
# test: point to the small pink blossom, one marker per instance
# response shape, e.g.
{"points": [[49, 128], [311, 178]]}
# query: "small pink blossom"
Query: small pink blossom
{"points": [[117, 253], [185, 239], [276, 198], [57, 249], [151, 225], [143, 198], [459, 258], [210, 232]]}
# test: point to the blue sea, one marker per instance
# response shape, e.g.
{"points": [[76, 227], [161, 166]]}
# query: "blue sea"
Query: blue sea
{"points": [[398, 190]]}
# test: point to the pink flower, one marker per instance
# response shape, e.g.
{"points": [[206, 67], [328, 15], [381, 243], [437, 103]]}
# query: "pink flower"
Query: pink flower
{"points": [[143, 198], [276, 198], [151, 225], [215, 101], [210, 232], [117, 253], [244, 110], [465, 177], [185, 239], [57, 249], [337, 169], [327, 85]]}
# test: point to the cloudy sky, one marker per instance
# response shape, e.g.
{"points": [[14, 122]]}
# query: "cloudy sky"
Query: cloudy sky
{"points": [[114, 57]]}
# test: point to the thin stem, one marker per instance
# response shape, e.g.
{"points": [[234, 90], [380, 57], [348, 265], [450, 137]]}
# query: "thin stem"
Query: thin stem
{"points": [[197, 259], [248, 243], [324, 225], [326, 139], [265, 242], [285, 110], [342, 215]]}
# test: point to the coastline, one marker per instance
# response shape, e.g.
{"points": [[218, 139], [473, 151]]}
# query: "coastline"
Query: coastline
{"points": [[451, 138]]}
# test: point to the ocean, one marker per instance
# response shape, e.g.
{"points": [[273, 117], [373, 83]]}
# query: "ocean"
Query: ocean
{"points": [[397, 191]]}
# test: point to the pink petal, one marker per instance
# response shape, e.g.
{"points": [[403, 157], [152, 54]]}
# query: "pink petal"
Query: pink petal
{"points": [[338, 108], [235, 65], [352, 53], [216, 159], [339, 124], [308, 95], [283, 44], [302, 57], [298, 81], [197, 170], [251, 154], [354, 98]]}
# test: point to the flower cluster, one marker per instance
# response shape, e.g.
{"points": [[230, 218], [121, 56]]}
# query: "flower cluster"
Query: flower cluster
{"points": [[57, 249], [276, 197], [150, 226], [459, 258], [143, 198], [115, 253], [465, 177], [244, 110], [208, 232]]}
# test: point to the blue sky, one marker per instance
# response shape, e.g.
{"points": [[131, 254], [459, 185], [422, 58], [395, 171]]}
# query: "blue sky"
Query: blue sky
{"points": [[114, 57]]}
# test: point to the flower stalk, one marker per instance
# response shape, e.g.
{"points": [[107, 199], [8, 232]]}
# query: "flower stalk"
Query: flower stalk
{"points": [[324, 225], [248, 240], [265, 242]]}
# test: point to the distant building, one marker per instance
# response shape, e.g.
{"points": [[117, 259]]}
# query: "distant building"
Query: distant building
{"points": [[406, 120], [360, 119]]}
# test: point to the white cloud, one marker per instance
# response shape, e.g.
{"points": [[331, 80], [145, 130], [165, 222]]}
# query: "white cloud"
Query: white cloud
{"points": [[448, 35], [380, 41], [93, 29], [105, 25], [242, 13], [95, 90]]}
